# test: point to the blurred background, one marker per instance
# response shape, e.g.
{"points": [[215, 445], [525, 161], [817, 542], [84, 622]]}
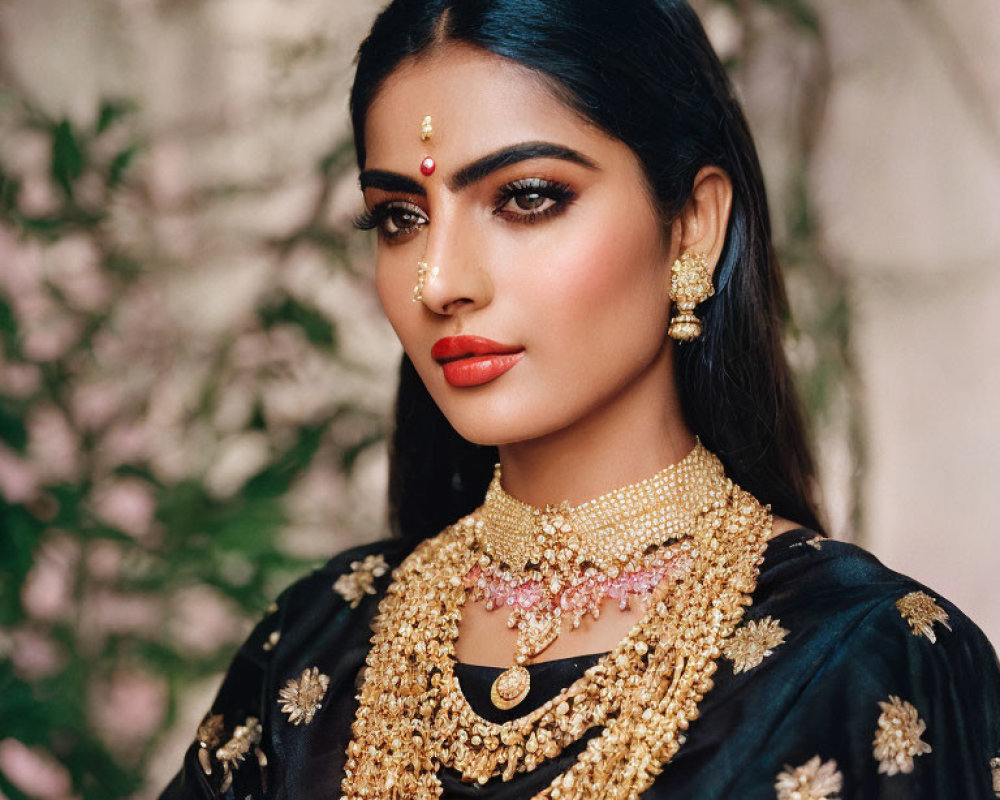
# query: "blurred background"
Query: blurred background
{"points": [[196, 380]]}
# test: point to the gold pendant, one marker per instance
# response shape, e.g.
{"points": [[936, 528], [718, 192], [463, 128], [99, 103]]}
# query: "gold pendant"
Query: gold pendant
{"points": [[511, 687]]}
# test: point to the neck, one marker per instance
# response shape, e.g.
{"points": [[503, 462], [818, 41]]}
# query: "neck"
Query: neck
{"points": [[627, 439]]}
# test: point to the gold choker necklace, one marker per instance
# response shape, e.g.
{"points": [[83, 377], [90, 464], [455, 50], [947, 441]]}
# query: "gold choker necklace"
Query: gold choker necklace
{"points": [[556, 563], [414, 720]]}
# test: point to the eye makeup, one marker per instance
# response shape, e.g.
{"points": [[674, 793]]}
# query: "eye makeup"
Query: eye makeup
{"points": [[523, 201]]}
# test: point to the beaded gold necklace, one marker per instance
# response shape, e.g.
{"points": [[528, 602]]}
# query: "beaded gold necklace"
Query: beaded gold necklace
{"points": [[414, 720], [561, 563]]}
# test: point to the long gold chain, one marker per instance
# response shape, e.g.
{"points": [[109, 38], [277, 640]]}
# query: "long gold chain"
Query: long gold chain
{"points": [[413, 718]]}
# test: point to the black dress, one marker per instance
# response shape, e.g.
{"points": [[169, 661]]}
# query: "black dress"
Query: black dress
{"points": [[845, 680]]}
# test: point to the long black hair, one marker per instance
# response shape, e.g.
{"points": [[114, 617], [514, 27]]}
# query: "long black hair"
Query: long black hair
{"points": [[644, 72]]}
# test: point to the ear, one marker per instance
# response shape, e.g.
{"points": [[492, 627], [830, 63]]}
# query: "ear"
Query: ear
{"points": [[704, 220]]}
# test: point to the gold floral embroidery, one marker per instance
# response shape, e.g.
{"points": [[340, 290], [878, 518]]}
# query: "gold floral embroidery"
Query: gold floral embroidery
{"points": [[897, 739], [816, 541], [814, 780], [354, 585], [920, 610], [995, 769], [209, 735], [302, 698], [233, 752], [753, 642]]}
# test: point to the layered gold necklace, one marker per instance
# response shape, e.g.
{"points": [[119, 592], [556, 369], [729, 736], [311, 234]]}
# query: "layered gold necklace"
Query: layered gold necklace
{"points": [[559, 564], [413, 718]]}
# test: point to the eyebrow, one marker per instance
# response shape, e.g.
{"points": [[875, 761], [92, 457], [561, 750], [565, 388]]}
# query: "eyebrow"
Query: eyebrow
{"points": [[477, 170]]}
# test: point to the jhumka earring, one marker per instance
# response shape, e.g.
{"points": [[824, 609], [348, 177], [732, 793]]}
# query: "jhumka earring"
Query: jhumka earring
{"points": [[690, 284]]}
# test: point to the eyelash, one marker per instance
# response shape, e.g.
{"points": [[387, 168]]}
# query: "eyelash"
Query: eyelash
{"points": [[560, 193]]}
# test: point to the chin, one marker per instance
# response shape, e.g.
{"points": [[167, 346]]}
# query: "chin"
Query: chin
{"points": [[490, 426]]}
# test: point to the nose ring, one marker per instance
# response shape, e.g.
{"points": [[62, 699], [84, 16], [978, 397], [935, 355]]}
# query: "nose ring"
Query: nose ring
{"points": [[423, 270]]}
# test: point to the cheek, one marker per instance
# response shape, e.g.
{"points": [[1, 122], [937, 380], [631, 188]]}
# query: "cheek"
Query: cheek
{"points": [[395, 296], [603, 293]]}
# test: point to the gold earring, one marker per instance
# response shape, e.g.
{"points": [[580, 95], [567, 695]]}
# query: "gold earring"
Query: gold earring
{"points": [[690, 284]]}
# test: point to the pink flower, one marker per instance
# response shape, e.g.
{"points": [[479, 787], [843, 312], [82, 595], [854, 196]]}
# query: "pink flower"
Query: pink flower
{"points": [[106, 612], [104, 560], [53, 444], [201, 619], [38, 197], [72, 263], [22, 264], [19, 380], [33, 771], [18, 478], [47, 593], [127, 504], [129, 708], [125, 443], [36, 655], [95, 405]]}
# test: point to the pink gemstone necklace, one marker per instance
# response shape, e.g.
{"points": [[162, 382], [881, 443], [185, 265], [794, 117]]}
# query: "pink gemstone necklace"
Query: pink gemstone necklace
{"points": [[561, 563]]}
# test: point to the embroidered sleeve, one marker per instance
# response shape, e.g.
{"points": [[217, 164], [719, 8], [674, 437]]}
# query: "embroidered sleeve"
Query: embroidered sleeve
{"points": [[229, 748], [907, 705], [932, 730], [231, 755]]}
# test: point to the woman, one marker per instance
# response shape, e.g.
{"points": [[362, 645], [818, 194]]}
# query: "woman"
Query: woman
{"points": [[594, 414]]}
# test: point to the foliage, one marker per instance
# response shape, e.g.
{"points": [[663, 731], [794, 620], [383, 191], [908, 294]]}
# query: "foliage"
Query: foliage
{"points": [[111, 525], [150, 464]]}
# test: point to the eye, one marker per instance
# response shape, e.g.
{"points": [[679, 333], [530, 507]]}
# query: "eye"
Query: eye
{"points": [[529, 199], [393, 219]]}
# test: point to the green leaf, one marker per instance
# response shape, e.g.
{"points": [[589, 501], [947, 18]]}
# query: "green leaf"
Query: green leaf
{"points": [[8, 327], [20, 534], [277, 479], [120, 164], [799, 12], [111, 112], [318, 330], [68, 159], [12, 430], [10, 187]]}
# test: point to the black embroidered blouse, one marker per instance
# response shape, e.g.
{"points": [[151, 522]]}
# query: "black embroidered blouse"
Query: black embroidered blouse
{"points": [[844, 681]]}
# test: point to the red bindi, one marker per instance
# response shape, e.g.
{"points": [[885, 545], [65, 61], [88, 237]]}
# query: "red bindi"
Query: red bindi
{"points": [[427, 166]]}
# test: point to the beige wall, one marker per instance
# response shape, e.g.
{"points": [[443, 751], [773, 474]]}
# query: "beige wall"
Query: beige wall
{"points": [[908, 182]]}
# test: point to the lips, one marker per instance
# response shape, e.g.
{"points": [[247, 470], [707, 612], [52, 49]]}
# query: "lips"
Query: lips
{"points": [[453, 347], [474, 360]]}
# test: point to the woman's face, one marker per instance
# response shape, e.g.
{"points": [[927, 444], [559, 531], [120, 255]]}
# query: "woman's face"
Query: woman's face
{"points": [[558, 257]]}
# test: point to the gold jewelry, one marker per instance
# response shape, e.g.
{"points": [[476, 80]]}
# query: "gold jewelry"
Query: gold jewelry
{"points": [[413, 718], [690, 284], [561, 562], [418, 287], [426, 129]]}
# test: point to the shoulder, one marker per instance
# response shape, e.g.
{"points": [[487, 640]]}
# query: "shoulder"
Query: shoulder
{"points": [[865, 665], [350, 582], [869, 615]]}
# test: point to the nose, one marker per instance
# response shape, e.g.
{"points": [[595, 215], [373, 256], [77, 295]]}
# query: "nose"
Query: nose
{"points": [[457, 277]]}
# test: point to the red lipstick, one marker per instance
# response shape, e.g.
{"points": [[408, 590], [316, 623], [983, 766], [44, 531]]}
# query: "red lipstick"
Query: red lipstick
{"points": [[473, 360]]}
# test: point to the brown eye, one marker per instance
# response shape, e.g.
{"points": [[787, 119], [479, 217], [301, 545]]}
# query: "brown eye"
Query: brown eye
{"points": [[401, 220], [531, 201]]}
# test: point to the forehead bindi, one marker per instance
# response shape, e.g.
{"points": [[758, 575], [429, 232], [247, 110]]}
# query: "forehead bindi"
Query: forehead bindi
{"points": [[479, 103]]}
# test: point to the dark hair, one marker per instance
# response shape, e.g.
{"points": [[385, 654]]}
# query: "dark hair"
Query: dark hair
{"points": [[644, 72]]}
